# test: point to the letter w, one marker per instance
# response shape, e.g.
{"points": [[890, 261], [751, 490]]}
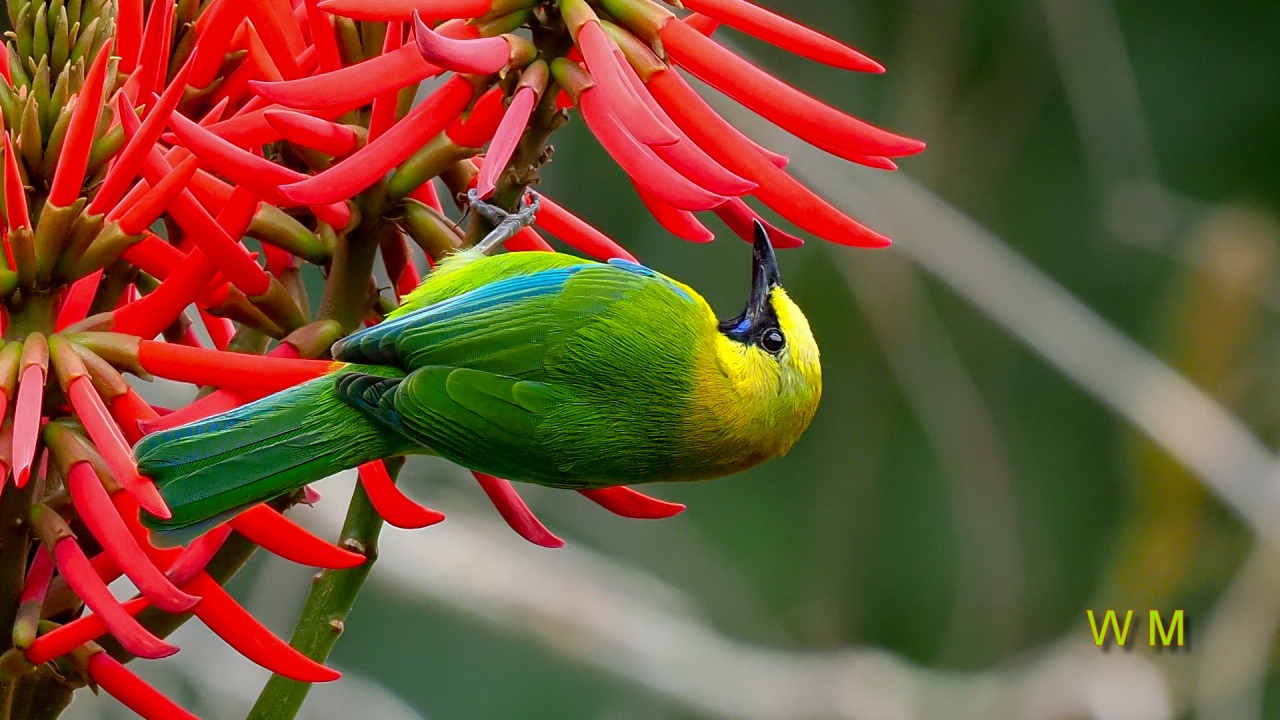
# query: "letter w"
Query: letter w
{"points": [[1109, 621]]}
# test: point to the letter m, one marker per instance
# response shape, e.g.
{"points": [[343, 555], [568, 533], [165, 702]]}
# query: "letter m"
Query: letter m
{"points": [[1109, 621], [1158, 627]]}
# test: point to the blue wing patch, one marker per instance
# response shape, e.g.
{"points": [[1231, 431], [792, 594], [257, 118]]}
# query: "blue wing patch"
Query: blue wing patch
{"points": [[639, 269]]}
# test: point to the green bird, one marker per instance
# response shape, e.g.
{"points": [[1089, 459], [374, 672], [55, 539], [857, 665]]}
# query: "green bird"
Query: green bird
{"points": [[533, 366]]}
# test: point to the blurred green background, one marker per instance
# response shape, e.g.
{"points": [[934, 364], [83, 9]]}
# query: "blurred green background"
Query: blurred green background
{"points": [[958, 502]]}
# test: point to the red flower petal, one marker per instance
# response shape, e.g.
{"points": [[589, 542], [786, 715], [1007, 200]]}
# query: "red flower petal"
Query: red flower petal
{"points": [[479, 126], [280, 32], [481, 56], [680, 223], [741, 220], [630, 503], [639, 161], [115, 450], [136, 218], [79, 298], [626, 105], [578, 233], [132, 691], [505, 138], [197, 555], [776, 100], [392, 505], [354, 85], [273, 531], [64, 639], [518, 515], [95, 508], [128, 33], [224, 616], [237, 371], [527, 240], [777, 189], [216, 26], [15, 196], [786, 34], [79, 574], [368, 164], [322, 38], [153, 58], [26, 420], [327, 137], [385, 10], [68, 174]]}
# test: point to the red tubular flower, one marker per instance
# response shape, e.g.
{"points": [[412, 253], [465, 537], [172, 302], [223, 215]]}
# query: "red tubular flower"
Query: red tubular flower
{"points": [[623, 100], [392, 505], [628, 503], [129, 33], [236, 371], [137, 217], [26, 413], [383, 113], [153, 57], [132, 691], [321, 135], [95, 508], [577, 233], [281, 34], [368, 164], [36, 586], [224, 616], [517, 514], [15, 198], [79, 574], [69, 173], [217, 25], [481, 56], [280, 535], [741, 220], [788, 35], [480, 125], [84, 629], [115, 451], [389, 10], [322, 39], [356, 84], [507, 135]]}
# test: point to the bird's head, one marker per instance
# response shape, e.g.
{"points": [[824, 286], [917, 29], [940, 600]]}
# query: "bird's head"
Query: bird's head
{"points": [[769, 353]]}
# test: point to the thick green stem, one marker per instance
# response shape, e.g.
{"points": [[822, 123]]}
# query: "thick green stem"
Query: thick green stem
{"points": [[323, 617]]}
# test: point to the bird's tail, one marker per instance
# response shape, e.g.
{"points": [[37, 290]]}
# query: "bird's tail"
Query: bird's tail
{"points": [[211, 469]]}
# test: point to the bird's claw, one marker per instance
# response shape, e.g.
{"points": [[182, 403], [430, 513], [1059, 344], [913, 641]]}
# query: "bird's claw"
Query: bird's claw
{"points": [[505, 224]]}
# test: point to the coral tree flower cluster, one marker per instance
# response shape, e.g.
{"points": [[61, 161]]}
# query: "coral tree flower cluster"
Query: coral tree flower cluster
{"points": [[170, 168]]}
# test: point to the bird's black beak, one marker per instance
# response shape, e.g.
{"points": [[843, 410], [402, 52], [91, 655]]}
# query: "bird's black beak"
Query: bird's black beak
{"points": [[764, 278]]}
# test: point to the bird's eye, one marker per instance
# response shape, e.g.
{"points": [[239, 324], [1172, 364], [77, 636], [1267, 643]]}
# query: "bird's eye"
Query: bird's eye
{"points": [[773, 341]]}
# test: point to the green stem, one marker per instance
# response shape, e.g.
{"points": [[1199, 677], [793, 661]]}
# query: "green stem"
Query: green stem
{"points": [[324, 615]]}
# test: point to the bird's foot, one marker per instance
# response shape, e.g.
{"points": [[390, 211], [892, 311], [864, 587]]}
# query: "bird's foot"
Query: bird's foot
{"points": [[505, 224]]}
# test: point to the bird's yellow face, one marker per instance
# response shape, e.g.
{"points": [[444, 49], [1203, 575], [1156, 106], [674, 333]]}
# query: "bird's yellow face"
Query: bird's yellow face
{"points": [[761, 390]]}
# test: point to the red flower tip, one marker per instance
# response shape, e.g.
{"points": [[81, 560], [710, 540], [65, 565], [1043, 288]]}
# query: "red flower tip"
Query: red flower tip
{"points": [[216, 25], [15, 196], [786, 34], [388, 10], [321, 28], [680, 223], [62, 640], [276, 533], [78, 300], [577, 233], [627, 106], [79, 574], [321, 135], [129, 33], [26, 416], [68, 174], [369, 164], [390, 503], [514, 510], [153, 58], [281, 34], [628, 503], [481, 56], [231, 622], [702, 23], [132, 691], [196, 556], [26, 622], [95, 508], [115, 450], [782, 104]]}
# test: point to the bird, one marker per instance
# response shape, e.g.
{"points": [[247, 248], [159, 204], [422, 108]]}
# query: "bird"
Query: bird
{"points": [[533, 366]]}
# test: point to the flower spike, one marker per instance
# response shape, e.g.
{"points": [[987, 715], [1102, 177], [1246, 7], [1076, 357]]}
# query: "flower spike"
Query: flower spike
{"points": [[514, 510]]}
